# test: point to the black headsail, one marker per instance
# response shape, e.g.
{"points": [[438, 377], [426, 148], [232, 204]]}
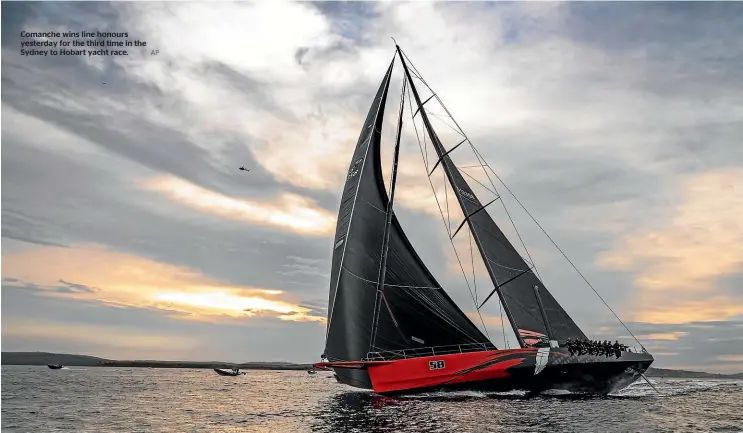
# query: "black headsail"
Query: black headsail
{"points": [[414, 311], [518, 286]]}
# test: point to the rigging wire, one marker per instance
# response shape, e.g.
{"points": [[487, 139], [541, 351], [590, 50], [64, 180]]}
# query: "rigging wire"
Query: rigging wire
{"points": [[566, 257], [472, 256], [502, 324], [485, 164], [503, 203], [448, 229], [482, 165], [444, 122], [481, 184], [446, 200]]}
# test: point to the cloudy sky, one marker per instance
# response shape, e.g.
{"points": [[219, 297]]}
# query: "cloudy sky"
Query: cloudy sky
{"points": [[128, 232]]}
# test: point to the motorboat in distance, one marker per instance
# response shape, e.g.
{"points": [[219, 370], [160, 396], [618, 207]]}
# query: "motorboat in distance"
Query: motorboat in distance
{"points": [[229, 371]]}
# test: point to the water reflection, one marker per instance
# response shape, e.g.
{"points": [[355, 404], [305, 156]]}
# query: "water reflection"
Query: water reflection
{"points": [[183, 401], [356, 412], [473, 412]]}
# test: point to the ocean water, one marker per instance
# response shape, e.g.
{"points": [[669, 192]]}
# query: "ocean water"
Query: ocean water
{"points": [[78, 399]]}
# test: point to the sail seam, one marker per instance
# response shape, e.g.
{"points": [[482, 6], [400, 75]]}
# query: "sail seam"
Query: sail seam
{"points": [[506, 267], [388, 285], [375, 207]]}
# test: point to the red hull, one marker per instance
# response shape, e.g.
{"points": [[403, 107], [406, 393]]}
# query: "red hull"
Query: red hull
{"points": [[496, 370], [436, 371]]}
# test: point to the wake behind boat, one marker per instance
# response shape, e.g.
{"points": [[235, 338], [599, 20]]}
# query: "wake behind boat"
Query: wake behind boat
{"points": [[392, 328], [229, 371]]}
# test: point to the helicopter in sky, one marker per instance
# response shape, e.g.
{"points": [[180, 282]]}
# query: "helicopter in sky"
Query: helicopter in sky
{"points": [[244, 169]]}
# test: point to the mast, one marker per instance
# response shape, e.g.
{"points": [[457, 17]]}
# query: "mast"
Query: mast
{"points": [[443, 154], [388, 222], [415, 311]]}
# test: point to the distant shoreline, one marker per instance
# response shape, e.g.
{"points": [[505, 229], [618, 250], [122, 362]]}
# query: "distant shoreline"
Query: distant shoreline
{"points": [[46, 358]]}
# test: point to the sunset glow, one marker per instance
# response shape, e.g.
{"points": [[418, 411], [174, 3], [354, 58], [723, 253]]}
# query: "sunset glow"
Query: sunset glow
{"points": [[225, 302], [97, 274], [677, 264], [288, 211]]}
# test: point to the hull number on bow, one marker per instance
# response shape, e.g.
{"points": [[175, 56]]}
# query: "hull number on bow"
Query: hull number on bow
{"points": [[436, 365]]}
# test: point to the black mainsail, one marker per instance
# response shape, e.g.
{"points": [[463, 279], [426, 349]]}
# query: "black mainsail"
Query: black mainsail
{"points": [[414, 311], [519, 288]]}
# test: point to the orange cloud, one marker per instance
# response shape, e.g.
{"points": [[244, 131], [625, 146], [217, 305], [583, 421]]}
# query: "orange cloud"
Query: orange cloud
{"points": [[669, 309], [731, 358], [492, 322], [289, 211], [665, 336], [702, 241], [677, 265], [123, 279]]}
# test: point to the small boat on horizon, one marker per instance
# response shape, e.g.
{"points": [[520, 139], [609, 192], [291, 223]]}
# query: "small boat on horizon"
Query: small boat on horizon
{"points": [[311, 372], [229, 371], [55, 366]]}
